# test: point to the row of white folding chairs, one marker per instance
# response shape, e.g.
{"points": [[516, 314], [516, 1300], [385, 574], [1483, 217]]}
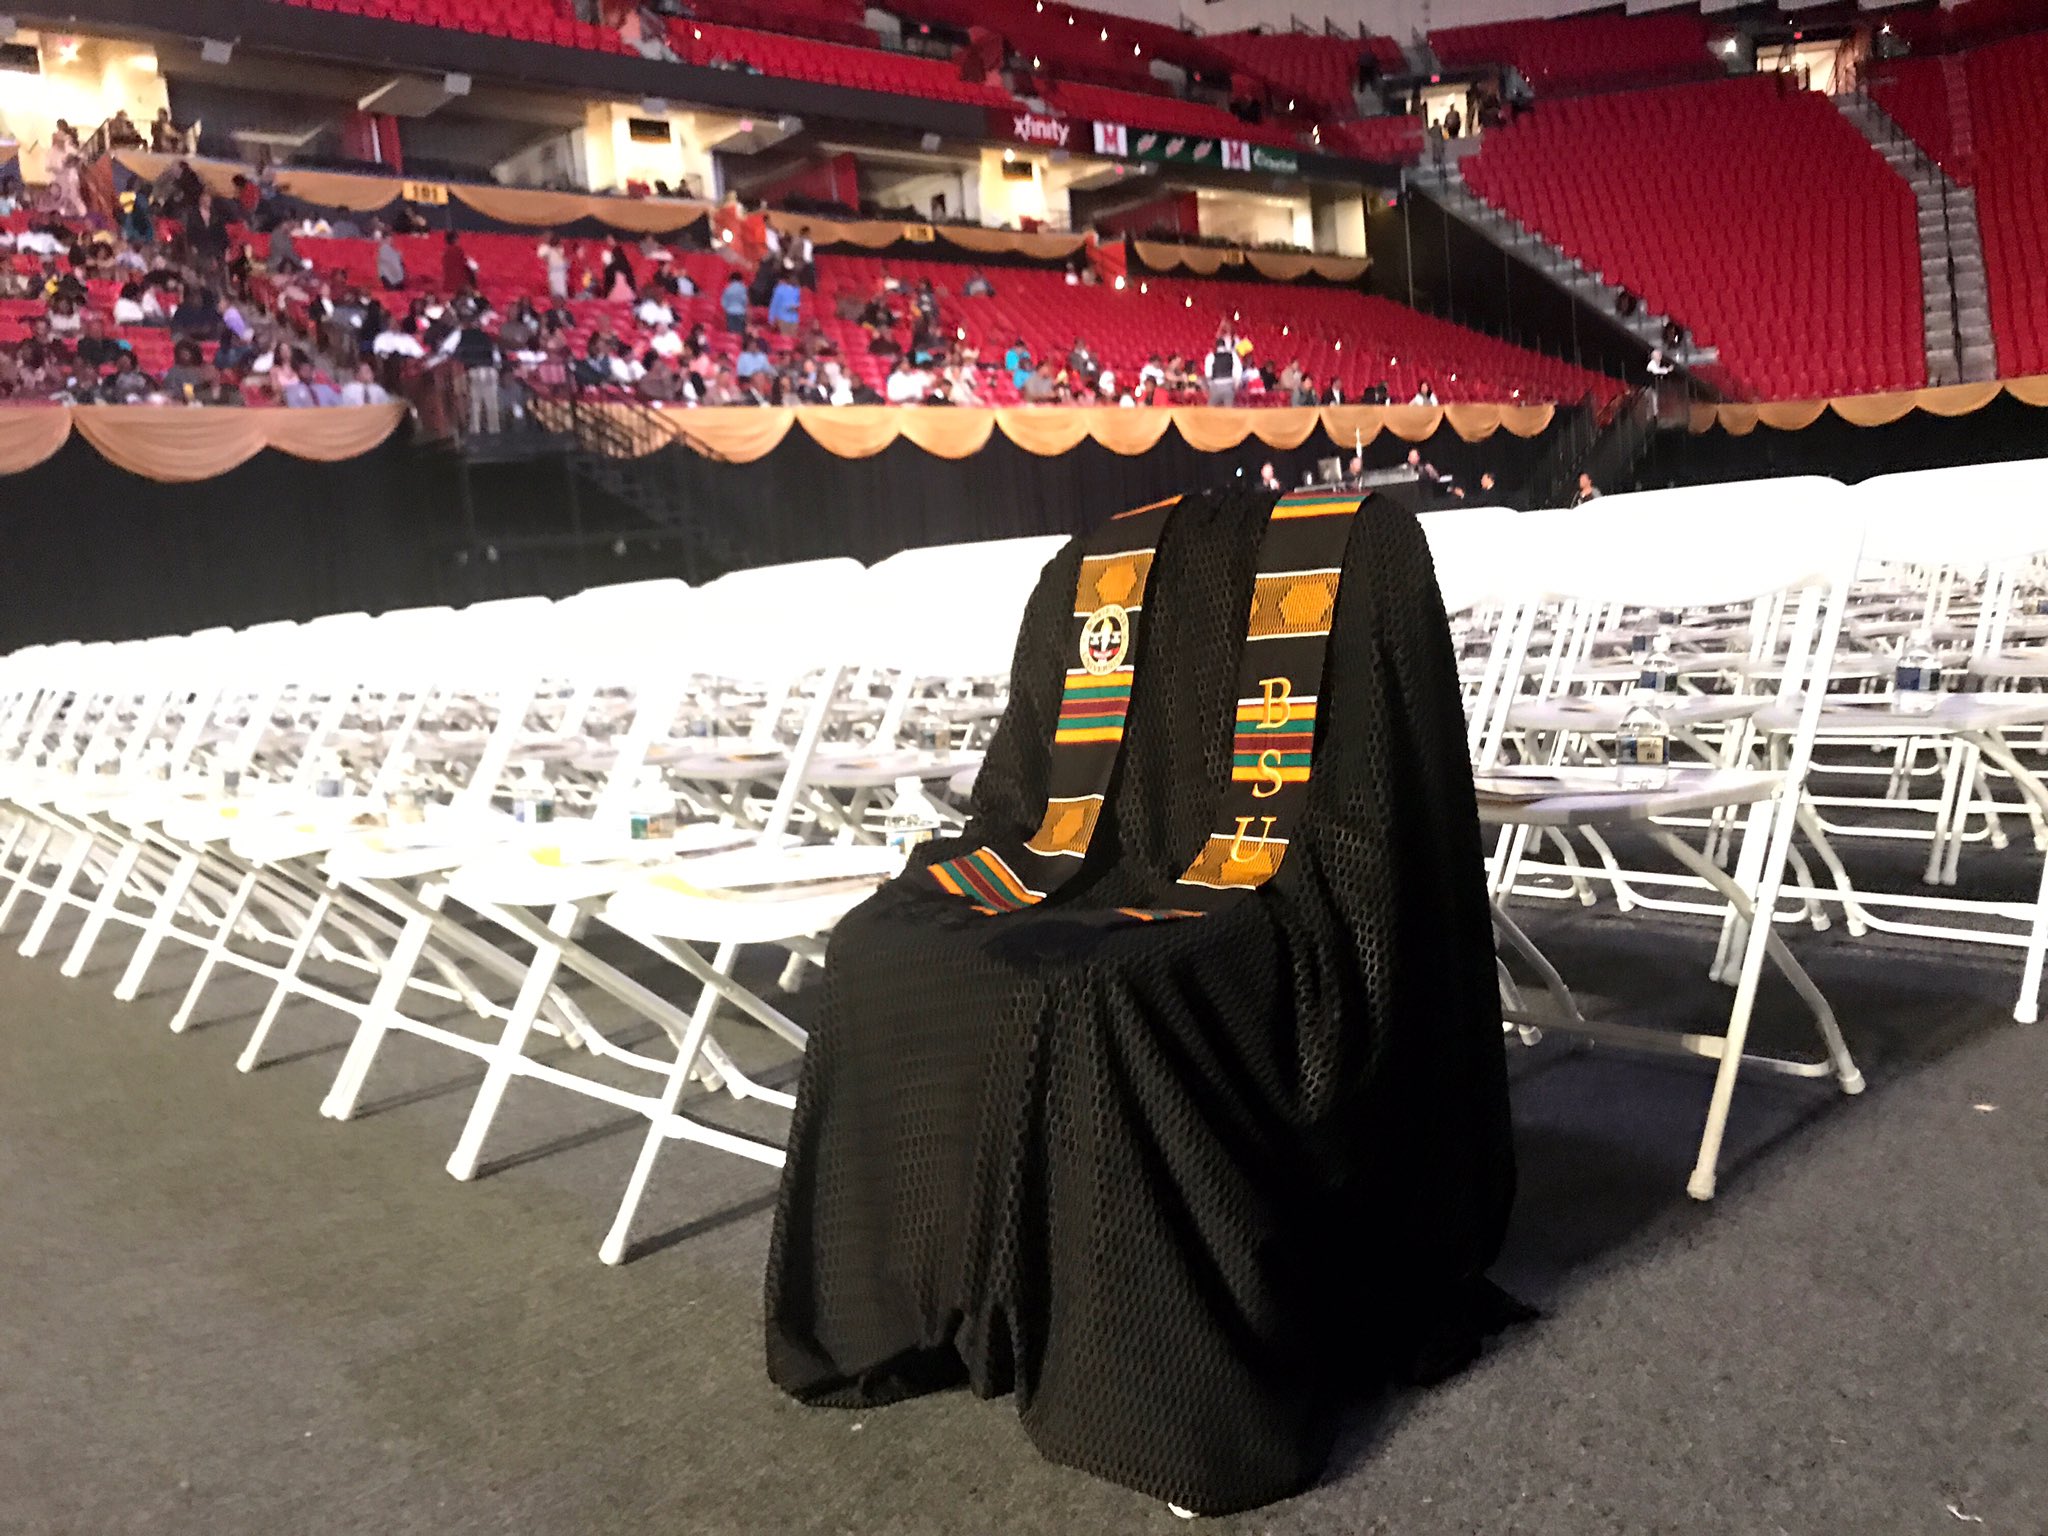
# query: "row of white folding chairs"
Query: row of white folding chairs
{"points": [[1772, 565], [475, 693]]}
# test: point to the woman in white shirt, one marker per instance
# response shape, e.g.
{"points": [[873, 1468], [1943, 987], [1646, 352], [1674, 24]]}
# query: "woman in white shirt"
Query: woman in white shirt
{"points": [[651, 311], [665, 341], [556, 260]]}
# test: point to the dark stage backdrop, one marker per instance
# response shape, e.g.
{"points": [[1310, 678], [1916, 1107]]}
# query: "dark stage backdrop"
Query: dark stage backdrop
{"points": [[89, 552], [802, 503], [2004, 429]]}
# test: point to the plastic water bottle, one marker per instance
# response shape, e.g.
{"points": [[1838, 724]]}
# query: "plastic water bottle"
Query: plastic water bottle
{"points": [[533, 797], [1640, 741], [1658, 679], [404, 804], [1916, 680], [653, 817], [327, 778], [912, 819]]}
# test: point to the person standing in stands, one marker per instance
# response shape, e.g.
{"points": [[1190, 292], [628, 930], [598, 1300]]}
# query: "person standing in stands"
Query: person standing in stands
{"points": [[620, 284], [457, 270], [733, 303], [390, 262], [165, 136], [1019, 363], [785, 305], [554, 260], [1225, 369], [1081, 364], [1454, 123], [1588, 491], [477, 353]]}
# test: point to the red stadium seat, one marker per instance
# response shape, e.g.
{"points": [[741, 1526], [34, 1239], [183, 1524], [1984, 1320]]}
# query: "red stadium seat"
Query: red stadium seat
{"points": [[1757, 216]]}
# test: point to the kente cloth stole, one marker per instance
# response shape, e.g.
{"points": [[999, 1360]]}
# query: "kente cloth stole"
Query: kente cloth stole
{"points": [[1280, 672]]}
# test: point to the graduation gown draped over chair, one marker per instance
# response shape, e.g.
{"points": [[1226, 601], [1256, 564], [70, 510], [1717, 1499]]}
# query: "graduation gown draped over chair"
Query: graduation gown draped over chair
{"points": [[1171, 1095]]}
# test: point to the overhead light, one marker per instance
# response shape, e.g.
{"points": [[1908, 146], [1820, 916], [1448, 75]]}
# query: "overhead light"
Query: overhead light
{"points": [[1290, 103], [1036, 62], [1144, 287], [697, 34], [1105, 34], [1119, 282], [1009, 155], [1340, 346], [1136, 51], [1236, 316], [960, 334], [67, 51], [1454, 378], [1284, 330], [1189, 301]]}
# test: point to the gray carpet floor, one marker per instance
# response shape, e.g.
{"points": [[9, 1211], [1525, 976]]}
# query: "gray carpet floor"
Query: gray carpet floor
{"points": [[221, 1314]]}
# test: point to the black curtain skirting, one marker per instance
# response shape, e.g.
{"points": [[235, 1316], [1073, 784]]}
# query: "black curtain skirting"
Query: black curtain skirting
{"points": [[89, 551]]}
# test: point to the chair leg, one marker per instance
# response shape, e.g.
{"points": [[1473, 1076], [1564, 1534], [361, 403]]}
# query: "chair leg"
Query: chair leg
{"points": [[57, 897], [111, 891], [31, 855], [340, 1102], [2028, 1009], [180, 884], [613, 1249], [533, 991], [287, 980], [214, 950]]}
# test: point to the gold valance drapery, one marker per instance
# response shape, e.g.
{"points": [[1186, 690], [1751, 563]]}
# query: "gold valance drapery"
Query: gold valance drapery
{"points": [[175, 443], [741, 434], [507, 205], [1740, 418], [1208, 260], [878, 234]]}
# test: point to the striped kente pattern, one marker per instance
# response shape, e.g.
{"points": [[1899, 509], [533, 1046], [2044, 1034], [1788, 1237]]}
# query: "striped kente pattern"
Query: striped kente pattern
{"points": [[983, 878], [1290, 741], [1093, 709]]}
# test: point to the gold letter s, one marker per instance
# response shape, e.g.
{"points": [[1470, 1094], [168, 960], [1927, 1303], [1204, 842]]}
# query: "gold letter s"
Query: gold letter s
{"points": [[1269, 765]]}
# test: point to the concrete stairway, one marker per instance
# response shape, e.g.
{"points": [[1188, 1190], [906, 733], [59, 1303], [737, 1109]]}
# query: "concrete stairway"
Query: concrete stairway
{"points": [[1956, 302], [1445, 182]]}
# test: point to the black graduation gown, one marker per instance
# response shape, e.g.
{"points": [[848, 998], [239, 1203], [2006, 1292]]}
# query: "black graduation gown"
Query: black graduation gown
{"points": [[1185, 1187]]}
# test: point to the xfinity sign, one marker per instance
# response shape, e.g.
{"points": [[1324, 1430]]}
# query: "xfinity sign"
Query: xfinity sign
{"points": [[1031, 128]]}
